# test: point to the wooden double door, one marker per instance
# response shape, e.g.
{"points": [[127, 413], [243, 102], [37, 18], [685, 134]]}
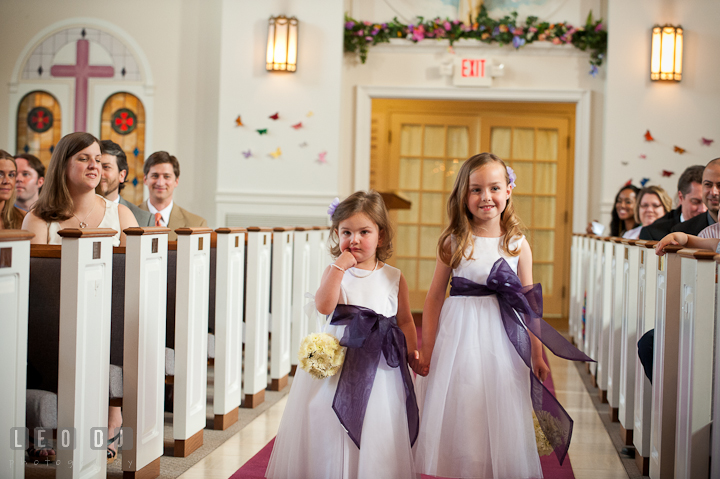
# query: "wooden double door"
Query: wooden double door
{"points": [[417, 149]]}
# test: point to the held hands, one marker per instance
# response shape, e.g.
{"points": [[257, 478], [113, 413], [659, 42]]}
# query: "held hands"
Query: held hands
{"points": [[673, 238], [540, 369], [346, 260], [417, 363]]}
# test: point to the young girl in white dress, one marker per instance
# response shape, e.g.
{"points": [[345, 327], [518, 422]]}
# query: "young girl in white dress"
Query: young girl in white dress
{"points": [[475, 403], [363, 421]]}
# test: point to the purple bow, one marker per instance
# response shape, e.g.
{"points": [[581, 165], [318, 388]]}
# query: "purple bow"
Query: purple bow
{"points": [[367, 335], [515, 303]]}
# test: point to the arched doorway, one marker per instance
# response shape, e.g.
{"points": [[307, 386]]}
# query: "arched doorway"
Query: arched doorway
{"points": [[39, 125], [123, 121]]}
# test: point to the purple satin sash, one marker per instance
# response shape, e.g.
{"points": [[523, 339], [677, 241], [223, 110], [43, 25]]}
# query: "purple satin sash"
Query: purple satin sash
{"points": [[521, 307], [367, 335]]}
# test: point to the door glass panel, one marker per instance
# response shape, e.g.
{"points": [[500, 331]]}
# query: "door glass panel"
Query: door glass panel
{"points": [[410, 140], [547, 144], [544, 245], [500, 142], [431, 211], [409, 173], [434, 141], [524, 173], [451, 170], [523, 144], [433, 174], [406, 240], [429, 236], [409, 270], [411, 215], [457, 142], [546, 178], [425, 273], [544, 212], [543, 274], [523, 208]]}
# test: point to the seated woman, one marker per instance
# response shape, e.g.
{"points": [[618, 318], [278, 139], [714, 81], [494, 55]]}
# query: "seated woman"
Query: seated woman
{"points": [[623, 214], [652, 204], [11, 218], [68, 200]]}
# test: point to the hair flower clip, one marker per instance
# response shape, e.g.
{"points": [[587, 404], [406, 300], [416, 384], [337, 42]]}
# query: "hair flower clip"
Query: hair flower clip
{"points": [[512, 176], [333, 206]]}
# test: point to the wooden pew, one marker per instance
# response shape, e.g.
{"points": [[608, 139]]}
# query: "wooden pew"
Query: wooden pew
{"points": [[695, 364], [144, 350], [597, 313], [14, 288], [605, 323], [647, 289], [229, 309], [281, 307], [583, 263], [615, 336], [589, 297], [257, 308], [191, 328], [300, 286], [665, 365], [715, 448], [319, 260], [84, 346], [574, 309], [628, 340]]}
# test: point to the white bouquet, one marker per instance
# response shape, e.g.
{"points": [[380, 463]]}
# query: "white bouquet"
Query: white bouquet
{"points": [[321, 355]]}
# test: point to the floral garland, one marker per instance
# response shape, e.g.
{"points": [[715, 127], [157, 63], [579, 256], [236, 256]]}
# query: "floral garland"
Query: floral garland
{"points": [[592, 37]]}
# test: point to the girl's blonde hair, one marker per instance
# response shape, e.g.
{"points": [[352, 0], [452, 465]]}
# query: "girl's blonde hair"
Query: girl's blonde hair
{"points": [[461, 219], [11, 217], [372, 205], [658, 191]]}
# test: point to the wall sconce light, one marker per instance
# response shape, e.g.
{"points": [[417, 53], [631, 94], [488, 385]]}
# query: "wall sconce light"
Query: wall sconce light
{"points": [[282, 44], [666, 57]]}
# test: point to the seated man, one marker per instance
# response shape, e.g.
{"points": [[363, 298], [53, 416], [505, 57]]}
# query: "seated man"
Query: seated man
{"points": [[114, 173], [691, 205], [30, 178], [162, 175]]}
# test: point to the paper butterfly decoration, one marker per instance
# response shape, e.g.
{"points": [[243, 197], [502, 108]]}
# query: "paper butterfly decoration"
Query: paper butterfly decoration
{"points": [[238, 121], [642, 157], [706, 141], [625, 163], [648, 136], [276, 154], [275, 116], [628, 182], [297, 126], [644, 181], [262, 132], [679, 150], [303, 144], [247, 154], [667, 173], [309, 114], [321, 157]]}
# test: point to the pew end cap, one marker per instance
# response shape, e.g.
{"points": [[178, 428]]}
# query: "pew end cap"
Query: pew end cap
{"points": [[145, 230], [15, 235], [86, 232]]}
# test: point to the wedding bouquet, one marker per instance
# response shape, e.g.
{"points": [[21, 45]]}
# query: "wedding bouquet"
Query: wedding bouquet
{"points": [[321, 355], [544, 446]]}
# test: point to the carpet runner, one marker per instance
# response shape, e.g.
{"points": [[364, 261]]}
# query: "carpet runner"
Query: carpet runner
{"points": [[256, 466]]}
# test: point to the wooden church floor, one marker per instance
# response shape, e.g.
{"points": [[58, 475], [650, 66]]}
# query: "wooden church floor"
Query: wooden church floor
{"points": [[592, 453]]}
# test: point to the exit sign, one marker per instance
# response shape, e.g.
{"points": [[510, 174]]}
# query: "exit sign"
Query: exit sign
{"points": [[472, 72]]}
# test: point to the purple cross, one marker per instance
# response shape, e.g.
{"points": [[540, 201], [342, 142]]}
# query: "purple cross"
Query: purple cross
{"points": [[82, 71]]}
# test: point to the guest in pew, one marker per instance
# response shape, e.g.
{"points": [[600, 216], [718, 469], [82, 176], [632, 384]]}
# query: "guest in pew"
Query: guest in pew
{"points": [[652, 203], [623, 214], [690, 205], [112, 181], [162, 175], [10, 217], [711, 199], [68, 200], [30, 178]]}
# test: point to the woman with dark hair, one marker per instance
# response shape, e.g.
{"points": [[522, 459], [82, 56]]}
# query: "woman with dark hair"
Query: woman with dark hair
{"points": [[11, 218], [68, 200], [623, 213]]}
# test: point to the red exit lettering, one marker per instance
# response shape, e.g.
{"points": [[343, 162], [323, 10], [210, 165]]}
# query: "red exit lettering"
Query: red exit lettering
{"points": [[473, 68]]}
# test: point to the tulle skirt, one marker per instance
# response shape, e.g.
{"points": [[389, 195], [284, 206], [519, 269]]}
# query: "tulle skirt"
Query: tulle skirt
{"points": [[476, 413], [312, 444]]}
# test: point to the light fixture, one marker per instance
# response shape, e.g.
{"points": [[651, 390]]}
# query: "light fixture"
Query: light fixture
{"points": [[666, 57], [282, 44]]}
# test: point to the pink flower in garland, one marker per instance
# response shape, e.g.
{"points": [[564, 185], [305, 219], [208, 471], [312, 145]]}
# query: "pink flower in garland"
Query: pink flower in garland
{"points": [[542, 37], [447, 26], [556, 41], [518, 31], [599, 27], [418, 33], [532, 29]]}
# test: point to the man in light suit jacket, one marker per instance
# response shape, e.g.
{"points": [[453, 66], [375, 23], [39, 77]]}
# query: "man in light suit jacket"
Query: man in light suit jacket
{"points": [[112, 181], [162, 175]]}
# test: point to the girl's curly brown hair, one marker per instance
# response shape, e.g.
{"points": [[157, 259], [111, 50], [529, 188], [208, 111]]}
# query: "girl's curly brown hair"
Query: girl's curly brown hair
{"points": [[372, 205]]}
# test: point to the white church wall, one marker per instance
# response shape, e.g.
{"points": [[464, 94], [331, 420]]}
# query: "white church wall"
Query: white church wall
{"points": [[675, 113], [260, 189]]}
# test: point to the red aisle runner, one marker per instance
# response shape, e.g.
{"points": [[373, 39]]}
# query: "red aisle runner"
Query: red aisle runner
{"points": [[256, 466]]}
